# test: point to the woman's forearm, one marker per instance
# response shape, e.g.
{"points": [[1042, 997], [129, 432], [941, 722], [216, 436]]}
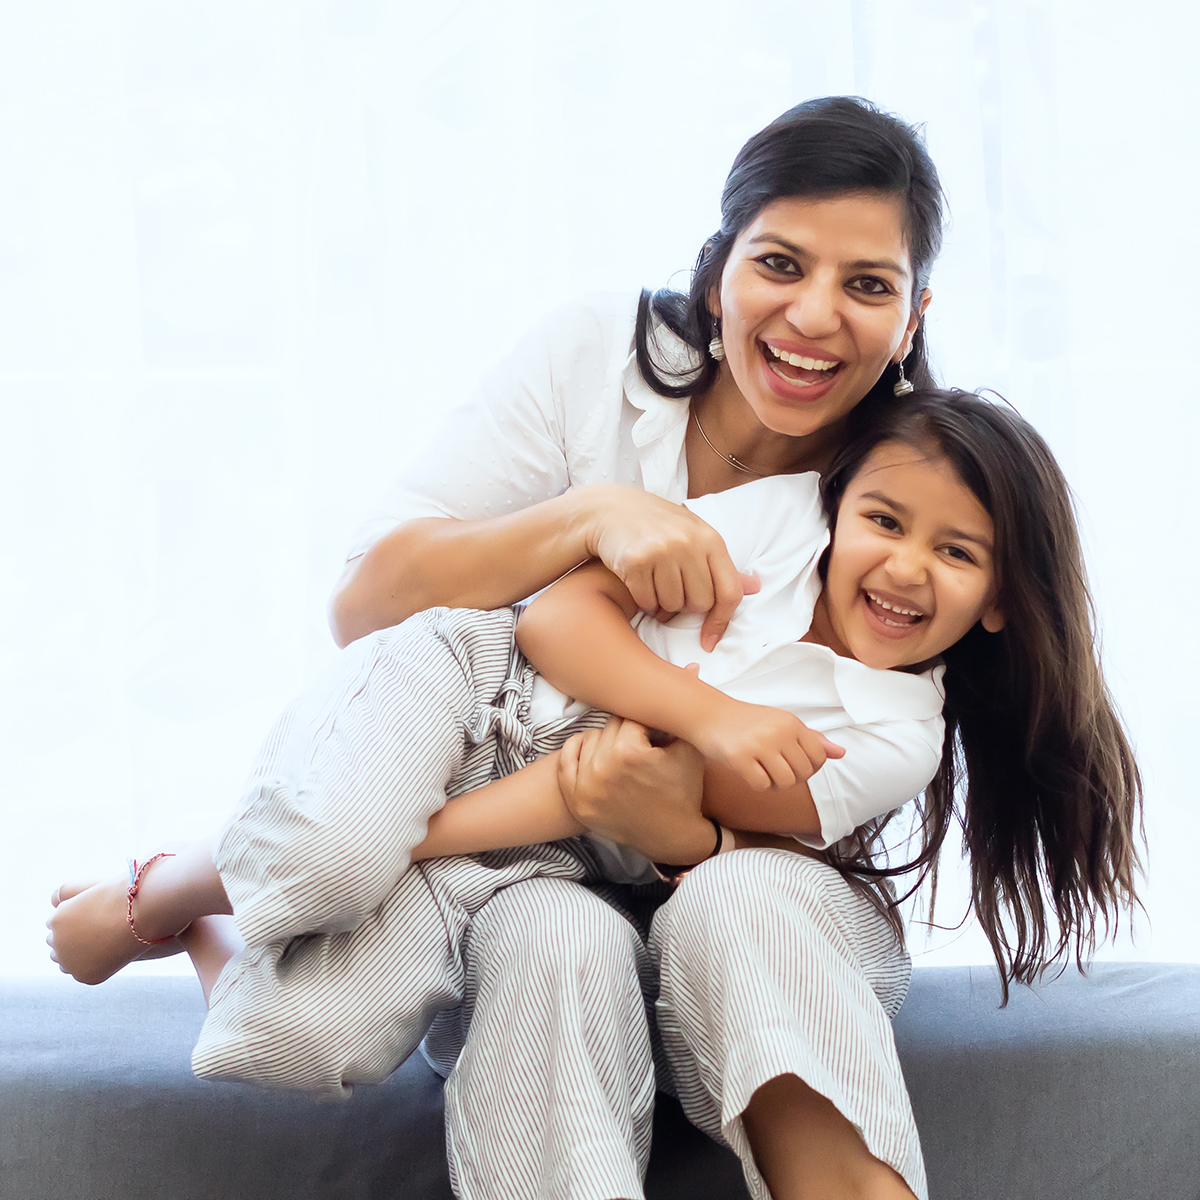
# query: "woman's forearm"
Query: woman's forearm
{"points": [[462, 564], [521, 809]]}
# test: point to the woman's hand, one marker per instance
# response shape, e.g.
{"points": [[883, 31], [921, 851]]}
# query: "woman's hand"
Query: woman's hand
{"points": [[619, 785], [767, 747], [670, 560]]}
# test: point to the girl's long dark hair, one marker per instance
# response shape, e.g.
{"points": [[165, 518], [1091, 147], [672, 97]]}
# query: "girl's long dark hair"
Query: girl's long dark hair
{"points": [[1036, 766], [828, 147]]}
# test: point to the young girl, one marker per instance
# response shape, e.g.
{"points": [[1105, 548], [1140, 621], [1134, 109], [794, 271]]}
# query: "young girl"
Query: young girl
{"points": [[953, 573]]}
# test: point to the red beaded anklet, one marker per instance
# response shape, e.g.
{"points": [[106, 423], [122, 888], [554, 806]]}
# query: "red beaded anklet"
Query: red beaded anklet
{"points": [[135, 883]]}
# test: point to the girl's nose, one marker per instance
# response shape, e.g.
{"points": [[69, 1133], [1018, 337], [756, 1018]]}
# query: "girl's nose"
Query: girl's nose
{"points": [[906, 564], [813, 311]]}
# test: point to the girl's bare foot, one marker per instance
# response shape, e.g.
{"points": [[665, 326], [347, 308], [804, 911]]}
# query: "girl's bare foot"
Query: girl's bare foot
{"points": [[90, 936], [67, 891]]}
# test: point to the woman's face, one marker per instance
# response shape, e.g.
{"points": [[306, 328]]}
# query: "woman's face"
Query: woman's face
{"points": [[815, 301]]}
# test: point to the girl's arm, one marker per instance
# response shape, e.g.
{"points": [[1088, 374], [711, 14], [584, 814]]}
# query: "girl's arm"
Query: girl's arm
{"points": [[522, 809], [578, 636], [663, 784], [669, 559]]}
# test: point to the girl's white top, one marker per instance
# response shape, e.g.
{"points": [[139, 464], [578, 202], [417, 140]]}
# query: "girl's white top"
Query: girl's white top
{"points": [[570, 408]]}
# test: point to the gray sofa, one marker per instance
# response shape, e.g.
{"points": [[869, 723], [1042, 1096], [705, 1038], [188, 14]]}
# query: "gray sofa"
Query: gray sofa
{"points": [[1079, 1090]]}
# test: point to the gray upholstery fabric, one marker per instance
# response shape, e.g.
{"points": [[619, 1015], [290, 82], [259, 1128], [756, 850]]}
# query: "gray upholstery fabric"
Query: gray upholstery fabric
{"points": [[1084, 1088], [1081, 1089]]}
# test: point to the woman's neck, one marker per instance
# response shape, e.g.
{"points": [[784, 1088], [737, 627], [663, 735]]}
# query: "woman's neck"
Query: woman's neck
{"points": [[725, 427]]}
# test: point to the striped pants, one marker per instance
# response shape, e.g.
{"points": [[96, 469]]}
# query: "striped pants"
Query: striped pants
{"points": [[532, 976]]}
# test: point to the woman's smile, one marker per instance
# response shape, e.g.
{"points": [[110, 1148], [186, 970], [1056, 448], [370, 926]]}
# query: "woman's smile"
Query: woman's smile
{"points": [[798, 371]]}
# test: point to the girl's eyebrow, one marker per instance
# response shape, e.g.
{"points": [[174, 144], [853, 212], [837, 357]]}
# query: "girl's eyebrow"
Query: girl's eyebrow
{"points": [[859, 264], [904, 511]]}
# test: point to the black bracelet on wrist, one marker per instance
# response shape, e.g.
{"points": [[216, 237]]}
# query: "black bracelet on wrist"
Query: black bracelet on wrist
{"points": [[669, 869]]}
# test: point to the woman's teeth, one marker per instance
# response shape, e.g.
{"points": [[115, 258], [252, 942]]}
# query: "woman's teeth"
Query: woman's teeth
{"points": [[798, 369], [798, 360], [908, 616]]}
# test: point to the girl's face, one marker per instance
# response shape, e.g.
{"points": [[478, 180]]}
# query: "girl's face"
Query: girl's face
{"points": [[814, 303], [911, 568]]}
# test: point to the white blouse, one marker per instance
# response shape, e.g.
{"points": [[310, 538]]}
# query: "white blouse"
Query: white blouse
{"points": [[567, 408]]}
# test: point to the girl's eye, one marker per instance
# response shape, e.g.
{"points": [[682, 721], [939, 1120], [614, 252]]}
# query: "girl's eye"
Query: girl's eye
{"points": [[957, 552], [871, 285], [779, 263], [884, 521]]}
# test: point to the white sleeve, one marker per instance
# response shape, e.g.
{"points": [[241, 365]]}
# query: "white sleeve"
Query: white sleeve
{"points": [[886, 764], [508, 448]]}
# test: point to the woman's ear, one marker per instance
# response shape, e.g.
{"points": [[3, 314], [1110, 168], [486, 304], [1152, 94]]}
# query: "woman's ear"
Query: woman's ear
{"points": [[993, 619], [914, 319]]}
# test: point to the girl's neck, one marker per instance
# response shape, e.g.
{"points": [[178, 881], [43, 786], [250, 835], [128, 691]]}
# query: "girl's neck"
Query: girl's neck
{"points": [[821, 631]]}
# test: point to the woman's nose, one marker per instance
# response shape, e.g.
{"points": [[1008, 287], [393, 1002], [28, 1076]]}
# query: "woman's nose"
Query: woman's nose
{"points": [[813, 311]]}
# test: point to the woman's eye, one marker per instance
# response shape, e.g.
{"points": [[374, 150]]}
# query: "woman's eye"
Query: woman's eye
{"points": [[871, 286], [779, 263]]}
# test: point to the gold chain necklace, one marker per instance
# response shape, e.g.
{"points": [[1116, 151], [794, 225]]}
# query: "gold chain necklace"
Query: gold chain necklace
{"points": [[737, 464]]}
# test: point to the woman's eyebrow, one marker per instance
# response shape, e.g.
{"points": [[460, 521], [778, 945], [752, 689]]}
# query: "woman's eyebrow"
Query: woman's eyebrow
{"points": [[859, 264]]}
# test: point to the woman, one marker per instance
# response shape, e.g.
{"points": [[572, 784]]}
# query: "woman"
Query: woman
{"points": [[804, 314]]}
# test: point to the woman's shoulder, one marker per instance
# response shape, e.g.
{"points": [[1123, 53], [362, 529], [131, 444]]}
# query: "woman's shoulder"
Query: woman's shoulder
{"points": [[596, 324]]}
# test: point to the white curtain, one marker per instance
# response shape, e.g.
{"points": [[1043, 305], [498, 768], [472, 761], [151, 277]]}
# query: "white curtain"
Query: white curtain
{"points": [[251, 252]]}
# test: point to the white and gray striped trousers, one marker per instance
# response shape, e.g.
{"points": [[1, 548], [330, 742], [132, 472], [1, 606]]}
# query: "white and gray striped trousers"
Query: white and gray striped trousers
{"points": [[532, 971]]}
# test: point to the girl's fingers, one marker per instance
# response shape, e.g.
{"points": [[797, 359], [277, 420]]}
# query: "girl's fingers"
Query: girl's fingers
{"points": [[780, 771], [754, 774], [801, 763], [832, 749]]}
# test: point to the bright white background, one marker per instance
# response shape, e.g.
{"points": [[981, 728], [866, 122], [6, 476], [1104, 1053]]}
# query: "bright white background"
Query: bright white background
{"points": [[251, 251]]}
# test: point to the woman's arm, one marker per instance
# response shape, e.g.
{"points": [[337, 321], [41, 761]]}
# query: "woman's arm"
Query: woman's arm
{"points": [[578, 635], [668, 558]]}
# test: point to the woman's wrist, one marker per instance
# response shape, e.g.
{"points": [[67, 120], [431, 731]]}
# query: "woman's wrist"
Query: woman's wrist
{"points": [[586, 509]]}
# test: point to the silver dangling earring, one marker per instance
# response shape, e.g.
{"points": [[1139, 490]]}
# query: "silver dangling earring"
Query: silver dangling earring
{"points": [[902, 386], [717, 347]]}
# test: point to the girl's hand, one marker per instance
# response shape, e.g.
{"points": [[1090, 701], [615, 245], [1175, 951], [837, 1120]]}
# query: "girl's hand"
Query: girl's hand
{"points": [[670, 560], [615, 783], [767, 747]]}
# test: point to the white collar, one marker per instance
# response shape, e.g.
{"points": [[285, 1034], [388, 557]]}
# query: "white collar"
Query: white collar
{"points": [[869, 694], [660, 414]]}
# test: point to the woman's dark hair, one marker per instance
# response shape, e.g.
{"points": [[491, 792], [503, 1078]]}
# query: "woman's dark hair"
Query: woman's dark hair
{"points": [[1036, 766], [828, 147]]}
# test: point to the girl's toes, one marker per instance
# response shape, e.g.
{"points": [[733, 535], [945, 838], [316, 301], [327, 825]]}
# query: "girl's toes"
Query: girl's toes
{"points": [[65, 891]]}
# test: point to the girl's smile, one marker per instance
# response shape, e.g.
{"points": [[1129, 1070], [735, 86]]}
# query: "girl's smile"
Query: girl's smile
{"points": [[911, 564]]}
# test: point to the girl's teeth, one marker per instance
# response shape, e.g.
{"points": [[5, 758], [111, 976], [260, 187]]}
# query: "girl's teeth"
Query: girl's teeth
{"points": [[798, 360], [903, 612]]}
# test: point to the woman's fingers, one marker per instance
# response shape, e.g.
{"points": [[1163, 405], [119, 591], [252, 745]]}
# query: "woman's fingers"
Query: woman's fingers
{"points": [[640, 582], [668, 587], [729, 586]]}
